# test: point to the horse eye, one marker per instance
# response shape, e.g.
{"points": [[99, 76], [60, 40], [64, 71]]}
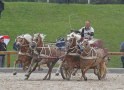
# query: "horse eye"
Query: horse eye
{"points": [[36, 40], [86, 44], [21, 40], [31, 39], [71, 40]]}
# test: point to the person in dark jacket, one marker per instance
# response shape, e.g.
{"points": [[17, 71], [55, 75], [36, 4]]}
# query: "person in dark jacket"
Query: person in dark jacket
{"points": [[67, 1], [122, 56], [2, 56]]}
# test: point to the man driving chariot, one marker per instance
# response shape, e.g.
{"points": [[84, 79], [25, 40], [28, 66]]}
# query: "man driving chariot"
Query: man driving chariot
{"points": [[87, 32]]}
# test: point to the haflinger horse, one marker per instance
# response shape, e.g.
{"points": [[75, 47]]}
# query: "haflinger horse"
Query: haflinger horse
{"points": [[68, 41], [71, 59], [25, 53], [91, 57], [42, 54]]}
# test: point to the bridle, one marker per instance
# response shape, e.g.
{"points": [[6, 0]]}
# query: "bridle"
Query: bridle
{"points": [[87, 53], [22, 44]]}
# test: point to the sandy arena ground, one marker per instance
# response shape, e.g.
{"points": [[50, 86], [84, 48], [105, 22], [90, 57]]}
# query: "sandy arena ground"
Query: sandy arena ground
{"points": [[113, 81]]}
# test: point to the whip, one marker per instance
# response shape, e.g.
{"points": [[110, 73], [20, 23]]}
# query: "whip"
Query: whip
{"points": [[70, 22]]}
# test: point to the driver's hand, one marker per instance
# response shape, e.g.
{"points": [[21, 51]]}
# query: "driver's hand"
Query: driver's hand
{"points": [[72, 30], [89, 33]]}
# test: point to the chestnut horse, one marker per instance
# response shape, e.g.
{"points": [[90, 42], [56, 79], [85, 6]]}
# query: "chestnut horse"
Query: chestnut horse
{"points": [[91, 57], [25, 53], [71, 59], [42, 53], [67, 46]]}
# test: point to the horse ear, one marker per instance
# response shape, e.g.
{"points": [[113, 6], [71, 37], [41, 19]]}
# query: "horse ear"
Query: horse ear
{"points": [[75, 38], [72, 35], [39, 34]]}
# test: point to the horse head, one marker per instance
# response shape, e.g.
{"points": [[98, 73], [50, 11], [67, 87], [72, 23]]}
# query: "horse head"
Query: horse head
{"points": [[70, 41], [37, 41], [84, 46], [23, 40]]}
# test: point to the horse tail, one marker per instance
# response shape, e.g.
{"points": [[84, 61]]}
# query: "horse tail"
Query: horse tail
{"points": [[104, 69]]}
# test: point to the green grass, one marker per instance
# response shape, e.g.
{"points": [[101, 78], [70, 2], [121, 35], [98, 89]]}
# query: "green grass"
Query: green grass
{"points": [[53, 20]]}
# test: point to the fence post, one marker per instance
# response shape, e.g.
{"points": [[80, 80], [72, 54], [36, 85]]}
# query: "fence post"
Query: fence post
{"points": [[8, 60], [88, 1], [47, 1]]}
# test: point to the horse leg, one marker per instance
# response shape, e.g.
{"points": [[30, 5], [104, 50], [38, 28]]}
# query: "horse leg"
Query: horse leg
{"points": [[75, 71], [40, 68], [33, 68], [29, 69], [23, 67], [58, 70], [87, 68], [69, 72], [95, 70], [14, 72], [50, 70], [48, 65]]}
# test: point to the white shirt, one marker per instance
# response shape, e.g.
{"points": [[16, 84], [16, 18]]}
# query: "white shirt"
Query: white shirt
{"points": [[86, 32]]}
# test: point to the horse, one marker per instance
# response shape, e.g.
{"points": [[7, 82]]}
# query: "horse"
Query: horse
{"points": [[66, 46], [42, 53], [92, 57], [71, 59], [25, 53]]}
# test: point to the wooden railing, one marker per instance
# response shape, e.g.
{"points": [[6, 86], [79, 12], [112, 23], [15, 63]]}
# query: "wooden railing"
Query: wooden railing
{"points": [[62, 53], [13, 52], [8, 55]]}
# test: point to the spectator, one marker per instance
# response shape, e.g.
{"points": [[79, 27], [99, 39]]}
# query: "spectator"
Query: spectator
{"points": [[59, 1], [122, 57], [14, 46], [2, 56], [67, 1]]}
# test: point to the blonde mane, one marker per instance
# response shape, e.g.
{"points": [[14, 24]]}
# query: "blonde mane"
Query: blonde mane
{"points": [[28, 37], [92, 41], [71, 35], [41, 35]]}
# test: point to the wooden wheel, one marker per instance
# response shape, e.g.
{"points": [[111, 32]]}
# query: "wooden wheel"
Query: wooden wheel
{"points": [[65, 72]]}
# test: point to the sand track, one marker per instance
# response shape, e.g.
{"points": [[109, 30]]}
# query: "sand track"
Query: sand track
{"points": [[113, 81]]}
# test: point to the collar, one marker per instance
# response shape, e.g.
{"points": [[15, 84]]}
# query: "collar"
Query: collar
{"points": [[87, 28]]}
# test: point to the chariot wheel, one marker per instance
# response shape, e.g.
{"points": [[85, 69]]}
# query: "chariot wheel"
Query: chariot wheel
{"points": [[64, 72]]}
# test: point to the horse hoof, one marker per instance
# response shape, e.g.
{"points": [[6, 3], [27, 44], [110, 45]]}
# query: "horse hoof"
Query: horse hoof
{"points": [[26, 79], [26, 68], [14, 73], [26, 75], [78, 80], [67, 79], [73, 74], [40, 69], [85, 79], [56, 74]]}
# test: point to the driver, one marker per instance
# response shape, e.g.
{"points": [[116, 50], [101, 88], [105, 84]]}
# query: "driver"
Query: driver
{"points": [[87, 32]]}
